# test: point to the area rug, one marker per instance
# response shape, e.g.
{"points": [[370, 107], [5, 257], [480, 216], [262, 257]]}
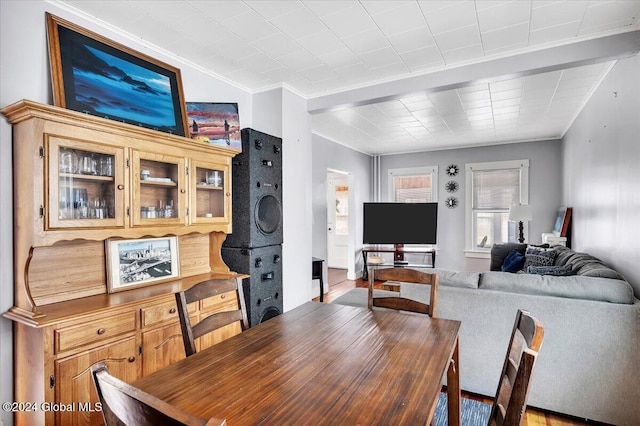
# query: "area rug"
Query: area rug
{"points": [[474, 413]]}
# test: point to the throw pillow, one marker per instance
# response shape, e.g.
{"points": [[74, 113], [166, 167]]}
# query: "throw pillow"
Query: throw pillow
{"points": [[513, 262], [535, 257], [557, 271]]}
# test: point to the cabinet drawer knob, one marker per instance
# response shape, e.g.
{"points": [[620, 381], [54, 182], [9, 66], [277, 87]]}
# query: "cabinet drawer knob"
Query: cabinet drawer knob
{"points": [[172, 310], [132, 359], [228, 194], [121, 187], [222, 296], [101, 331], [182, 191]]}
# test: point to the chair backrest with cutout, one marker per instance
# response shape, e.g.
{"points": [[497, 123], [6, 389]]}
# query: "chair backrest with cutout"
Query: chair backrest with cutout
{"points": [[404, 275]]}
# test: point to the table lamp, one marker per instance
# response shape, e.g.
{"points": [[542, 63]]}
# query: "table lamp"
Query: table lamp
{"points": [[519, 213]]}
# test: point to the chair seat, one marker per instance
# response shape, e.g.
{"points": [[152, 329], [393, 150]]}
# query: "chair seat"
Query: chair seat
{"points": [[474, 413]]}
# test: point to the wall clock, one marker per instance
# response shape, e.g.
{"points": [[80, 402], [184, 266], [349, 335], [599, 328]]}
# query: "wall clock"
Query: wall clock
{"points": [[451, 202], [451, 186], [452, 170]]}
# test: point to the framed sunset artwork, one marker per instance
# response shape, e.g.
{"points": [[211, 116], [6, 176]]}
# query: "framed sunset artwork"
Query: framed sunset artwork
{"points": [[219, 123]]}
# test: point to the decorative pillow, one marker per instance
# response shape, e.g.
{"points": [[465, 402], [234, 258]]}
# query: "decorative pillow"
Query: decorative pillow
{"points": [[557, 271], [535, 257], [513, 262]]}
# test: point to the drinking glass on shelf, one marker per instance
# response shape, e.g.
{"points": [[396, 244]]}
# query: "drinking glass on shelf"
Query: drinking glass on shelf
{"points": [[87, 164], [106, 165], [68, 161]]}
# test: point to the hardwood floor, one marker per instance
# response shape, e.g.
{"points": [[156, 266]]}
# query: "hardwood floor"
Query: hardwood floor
{"points": [[535, 417]]}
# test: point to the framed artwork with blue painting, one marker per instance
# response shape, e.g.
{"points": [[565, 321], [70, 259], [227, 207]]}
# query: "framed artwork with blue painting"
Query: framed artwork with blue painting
{"points": [[216, 123], [97, 76]]}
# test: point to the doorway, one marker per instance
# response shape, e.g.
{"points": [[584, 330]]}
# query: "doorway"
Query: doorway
{"points": [[340, 227]]}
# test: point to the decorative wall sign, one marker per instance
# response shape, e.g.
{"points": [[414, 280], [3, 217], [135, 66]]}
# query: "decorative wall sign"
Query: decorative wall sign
{"points": [[452, 169], [97, 76], [451, 202], [451, 186], [134, 263], [218, 122]]}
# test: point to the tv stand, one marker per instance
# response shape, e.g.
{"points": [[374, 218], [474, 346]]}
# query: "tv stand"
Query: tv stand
{"points": [[398, 251]]}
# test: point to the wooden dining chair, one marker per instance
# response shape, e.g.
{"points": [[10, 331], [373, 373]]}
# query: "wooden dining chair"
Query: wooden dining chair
{"points": [[404, 275], [123, 404], [203, 290], [510, 401]]}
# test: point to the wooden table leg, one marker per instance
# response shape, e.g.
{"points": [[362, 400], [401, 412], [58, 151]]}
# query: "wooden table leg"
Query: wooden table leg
{"points": [[453, 388]]}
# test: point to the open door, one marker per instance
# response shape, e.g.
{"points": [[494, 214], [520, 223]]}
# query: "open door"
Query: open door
{"points": [[337, 220]]}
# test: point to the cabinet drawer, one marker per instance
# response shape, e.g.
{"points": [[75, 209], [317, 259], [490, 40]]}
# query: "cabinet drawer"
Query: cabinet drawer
{"points": [[94, 330], [215, 301], [158, 313]]}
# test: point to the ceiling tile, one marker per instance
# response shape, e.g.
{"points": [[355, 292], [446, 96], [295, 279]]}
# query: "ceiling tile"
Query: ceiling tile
{"points": [[451, 16], [422, 57], [463, 54], [516, 35], [259, 61], [299, 61], [349, 21], [458, 38], [390, 70], [250, 26], [506, 94], [400, 19], [277, 45], [298, 23], [322, 7], [606, 15], [552, 14], [554, 34], [233, 47], [273, 8], [220, 10], [201, 29], [339, 58], [380, 57], [417, 38], [504, 15], [321, 43], [366, 41], [379, 6]]}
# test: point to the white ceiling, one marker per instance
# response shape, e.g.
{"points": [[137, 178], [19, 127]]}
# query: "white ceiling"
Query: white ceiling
{"points": [[322, 48]]}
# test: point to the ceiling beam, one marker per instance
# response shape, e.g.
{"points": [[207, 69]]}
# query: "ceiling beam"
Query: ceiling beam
{"points": [[535, 62]]}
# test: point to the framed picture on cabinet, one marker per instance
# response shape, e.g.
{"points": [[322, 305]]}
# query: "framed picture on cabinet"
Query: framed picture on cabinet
{"points": [[216, 123], [139, 262], [97, 76]]}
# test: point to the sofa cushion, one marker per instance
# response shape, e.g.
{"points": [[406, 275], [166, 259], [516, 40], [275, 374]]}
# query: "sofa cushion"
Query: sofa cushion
{"points": [[461, 279], [585, 264], [558, 271], [538, 257], [573, 287], [513, 262], [500, 251]]}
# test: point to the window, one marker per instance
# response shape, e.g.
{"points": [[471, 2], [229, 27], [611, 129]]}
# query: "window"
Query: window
{"points": [[413, 185], [491, 188]]}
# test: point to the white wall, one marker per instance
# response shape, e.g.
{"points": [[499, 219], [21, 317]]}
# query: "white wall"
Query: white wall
{"points": [[296, 194], [601, 172], [24, 74]]}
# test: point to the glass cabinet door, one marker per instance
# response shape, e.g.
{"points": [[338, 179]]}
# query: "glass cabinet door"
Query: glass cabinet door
{"points": [[86, 185], [158, 194], [211, 192]]}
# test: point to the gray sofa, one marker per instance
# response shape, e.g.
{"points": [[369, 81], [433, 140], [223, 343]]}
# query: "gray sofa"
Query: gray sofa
{"points": [[589, 362]]}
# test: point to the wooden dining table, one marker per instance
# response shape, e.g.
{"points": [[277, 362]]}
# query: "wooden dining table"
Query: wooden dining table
{"points": [[320, 364]]}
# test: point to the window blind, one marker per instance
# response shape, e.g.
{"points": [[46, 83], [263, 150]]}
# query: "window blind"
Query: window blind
{"points": [[495, 189]]}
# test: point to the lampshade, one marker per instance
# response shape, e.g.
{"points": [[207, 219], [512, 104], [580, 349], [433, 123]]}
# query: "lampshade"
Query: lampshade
{"points": [[520, 213]]}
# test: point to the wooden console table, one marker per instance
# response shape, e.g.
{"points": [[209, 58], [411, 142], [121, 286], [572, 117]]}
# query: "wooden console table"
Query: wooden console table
{"points": [[399, 252]]}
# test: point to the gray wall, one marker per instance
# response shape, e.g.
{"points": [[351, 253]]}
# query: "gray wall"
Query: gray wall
{"points": [[330, 155], [544, 191], [601, 172]]}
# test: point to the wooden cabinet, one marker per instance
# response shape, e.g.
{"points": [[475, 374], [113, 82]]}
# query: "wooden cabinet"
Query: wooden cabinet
{"points": [[74, 384], [80, 180]]}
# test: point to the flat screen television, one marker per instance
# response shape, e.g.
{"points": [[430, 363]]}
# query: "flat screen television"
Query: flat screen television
{"points": [[400, 223]]}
